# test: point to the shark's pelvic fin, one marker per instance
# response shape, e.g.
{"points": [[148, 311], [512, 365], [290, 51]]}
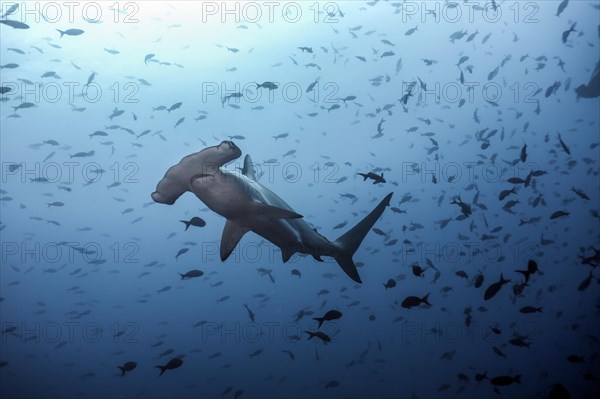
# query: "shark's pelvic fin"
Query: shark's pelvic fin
{"points": [[286, 254]]}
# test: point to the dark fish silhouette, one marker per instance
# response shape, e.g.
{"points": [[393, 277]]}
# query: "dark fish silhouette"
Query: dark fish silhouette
{"points": [[181, 252], [532, 268], [191, 274], [412, 301], [14, 24], [530, 309], [330, 315], [478, 280], [464, 208], [580, 193], [373, 176], [321, 335], [391, 283], [558, 214], [70, 32], [561, 7], [493, 289], [174, 106], [267, 85], [127, 367], [171, 365], [250, 313], [504, 380], [195, 221], [565, 35]]}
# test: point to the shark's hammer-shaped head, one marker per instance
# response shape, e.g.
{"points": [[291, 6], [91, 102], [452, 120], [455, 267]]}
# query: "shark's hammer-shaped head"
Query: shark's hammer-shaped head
{"points": [[178, 178]]}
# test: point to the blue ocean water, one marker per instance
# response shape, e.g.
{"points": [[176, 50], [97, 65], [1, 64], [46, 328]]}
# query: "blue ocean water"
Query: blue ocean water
{"points": [[481, 117]]}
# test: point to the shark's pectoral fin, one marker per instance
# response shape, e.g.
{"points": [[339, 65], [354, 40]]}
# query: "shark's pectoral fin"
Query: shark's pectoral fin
{"points": [[232, 234], [273, 212]]}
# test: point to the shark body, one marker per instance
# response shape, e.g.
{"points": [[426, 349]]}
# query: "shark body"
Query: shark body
{"points": [[249, 206]]}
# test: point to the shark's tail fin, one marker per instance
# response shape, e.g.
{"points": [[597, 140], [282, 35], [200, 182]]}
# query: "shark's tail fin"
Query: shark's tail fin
{"points": [[162, 369], [350, 241]]}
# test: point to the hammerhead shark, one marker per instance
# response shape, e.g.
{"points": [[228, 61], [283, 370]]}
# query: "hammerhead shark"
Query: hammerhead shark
{"points": [[249, 206]]}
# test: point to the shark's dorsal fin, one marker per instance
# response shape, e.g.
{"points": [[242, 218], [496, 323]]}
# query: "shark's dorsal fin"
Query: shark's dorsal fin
{"points": [[232, 234], [248, 169]]}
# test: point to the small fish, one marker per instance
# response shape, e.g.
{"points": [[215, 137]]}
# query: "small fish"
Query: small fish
{"points": [[565, 35], [174, 106], [412, 301], [267, 85], [11, 10], [195, 221], [171, 365], [14, 24], [128, 366], [505, 380], [24, 106], [321, 335], [83, 154], [181, 252], [164, 289], [191, 274], [493, 289], [561, 7], [330, 315], [391, 283], [255, 353], [250, 313], [530, 309], [281, 136], [558, 214], [70, 32], [523, 156], [563, 145], [411, 31], [99, 133], [147, 58], [373, 176]]}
